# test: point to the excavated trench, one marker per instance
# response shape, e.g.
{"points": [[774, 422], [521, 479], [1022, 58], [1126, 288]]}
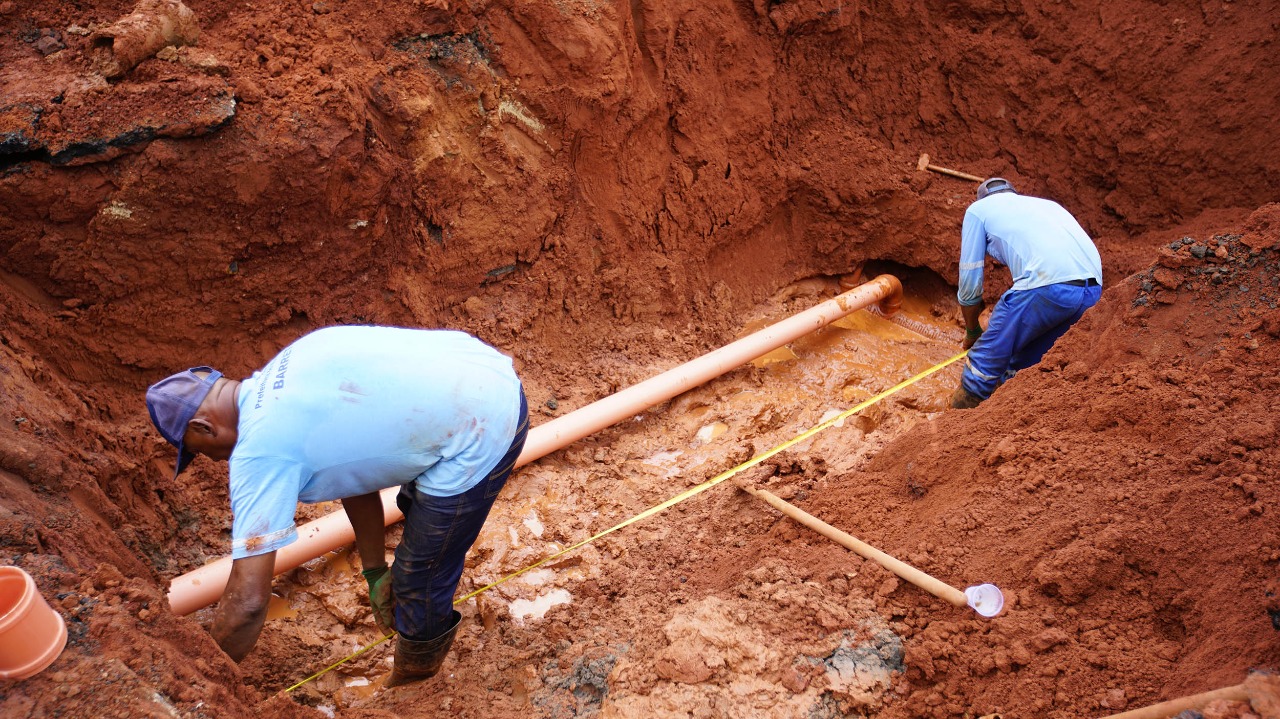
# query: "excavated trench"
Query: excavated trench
{"points": [[656, 454], [604, 190]]}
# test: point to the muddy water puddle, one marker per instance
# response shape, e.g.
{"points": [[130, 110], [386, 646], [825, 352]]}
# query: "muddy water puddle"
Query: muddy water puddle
{"points": [[279, 608], [576, 493]]}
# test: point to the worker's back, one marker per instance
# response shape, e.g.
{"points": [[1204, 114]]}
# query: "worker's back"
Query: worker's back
{"points": [[345, 411], [1040, 241]]}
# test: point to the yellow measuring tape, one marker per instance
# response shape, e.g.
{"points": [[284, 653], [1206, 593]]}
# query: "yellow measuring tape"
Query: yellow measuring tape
{"points": [[698, 489]]}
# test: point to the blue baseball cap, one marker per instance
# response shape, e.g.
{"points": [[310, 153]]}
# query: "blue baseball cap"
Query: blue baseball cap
{"points": [[173, 401]]}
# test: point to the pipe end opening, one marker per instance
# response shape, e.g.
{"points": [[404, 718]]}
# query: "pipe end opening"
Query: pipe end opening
{"points": [[985, 599]]}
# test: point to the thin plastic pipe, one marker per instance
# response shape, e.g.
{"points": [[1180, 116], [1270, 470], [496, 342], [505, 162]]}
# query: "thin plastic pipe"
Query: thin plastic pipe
{"points": [[924, 330], [203, 586]]}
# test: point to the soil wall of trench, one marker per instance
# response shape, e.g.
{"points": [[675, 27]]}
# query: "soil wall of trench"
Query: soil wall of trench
{"points": [[600, 189]]}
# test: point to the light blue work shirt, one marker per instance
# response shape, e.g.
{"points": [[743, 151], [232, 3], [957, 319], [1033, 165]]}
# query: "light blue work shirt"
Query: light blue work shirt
{"points": [[1039, 241], [345, 411]]}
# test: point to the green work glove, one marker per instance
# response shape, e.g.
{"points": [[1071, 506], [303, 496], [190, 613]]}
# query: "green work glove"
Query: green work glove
{"points": [[380, 597], [971, 335]]}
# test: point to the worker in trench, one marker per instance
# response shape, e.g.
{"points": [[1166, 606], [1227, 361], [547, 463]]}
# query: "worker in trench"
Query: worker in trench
{"points": [[1057, 275], [342, 413]]}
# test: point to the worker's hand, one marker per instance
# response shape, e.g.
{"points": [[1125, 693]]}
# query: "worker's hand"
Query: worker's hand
{"points": [[380, 597], [971, 335]]}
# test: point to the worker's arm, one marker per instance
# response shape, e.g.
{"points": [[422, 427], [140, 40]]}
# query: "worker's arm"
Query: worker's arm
{"points": [[365, 513], [973, 255], [243, 608], [971, 315], [972, 325]]}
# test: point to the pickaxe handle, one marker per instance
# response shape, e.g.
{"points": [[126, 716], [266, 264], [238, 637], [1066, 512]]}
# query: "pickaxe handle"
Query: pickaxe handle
{"points": [[923, 164]]}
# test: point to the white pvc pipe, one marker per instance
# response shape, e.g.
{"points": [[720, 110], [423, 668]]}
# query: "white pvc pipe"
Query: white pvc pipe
{"points": [[203, 586]]}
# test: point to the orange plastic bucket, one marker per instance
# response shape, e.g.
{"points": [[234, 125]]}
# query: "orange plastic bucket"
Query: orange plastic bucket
{"points": [[32, 635]]}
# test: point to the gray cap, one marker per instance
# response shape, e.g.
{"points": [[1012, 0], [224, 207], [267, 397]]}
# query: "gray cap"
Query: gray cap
{"points": [[173, 401], [994, 185]]}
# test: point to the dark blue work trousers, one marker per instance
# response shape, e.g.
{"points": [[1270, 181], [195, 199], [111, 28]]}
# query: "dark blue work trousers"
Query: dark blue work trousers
{"points": [[438, 531], [1023, 326]]}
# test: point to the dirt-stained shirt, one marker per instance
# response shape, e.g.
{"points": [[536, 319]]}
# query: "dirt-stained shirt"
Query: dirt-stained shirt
{"points": [[1040, 242], [345, 411]]}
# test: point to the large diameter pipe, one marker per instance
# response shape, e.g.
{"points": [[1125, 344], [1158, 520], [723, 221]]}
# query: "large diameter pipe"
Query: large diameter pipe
{"points": [[202, 587], [561, 431]]}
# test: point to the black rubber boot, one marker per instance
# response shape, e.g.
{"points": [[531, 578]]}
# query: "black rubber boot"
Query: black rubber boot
{"points": [[964, 399], [416, 661]]}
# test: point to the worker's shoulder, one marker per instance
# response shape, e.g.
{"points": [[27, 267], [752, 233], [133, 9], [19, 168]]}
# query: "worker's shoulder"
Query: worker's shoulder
{"points": [[385, 354], [355, 331], [355, 339], [1033, 200], [1006, 203]]}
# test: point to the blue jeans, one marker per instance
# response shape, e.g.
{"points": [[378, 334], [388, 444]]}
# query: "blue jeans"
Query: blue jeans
{"points": [[438, 531], [1023, 326]]}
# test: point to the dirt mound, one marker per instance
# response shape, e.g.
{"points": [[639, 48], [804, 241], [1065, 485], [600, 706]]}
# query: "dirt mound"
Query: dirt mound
{"points": [[1119, 493]]}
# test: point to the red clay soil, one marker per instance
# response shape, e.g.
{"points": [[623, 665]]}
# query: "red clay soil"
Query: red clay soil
{"points": [[603, 190], [1124, 487]]}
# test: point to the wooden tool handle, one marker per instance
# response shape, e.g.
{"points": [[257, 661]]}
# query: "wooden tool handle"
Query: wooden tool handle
{"points": [[1163, 710], [933, 586], [955, 173], [923, 164]]}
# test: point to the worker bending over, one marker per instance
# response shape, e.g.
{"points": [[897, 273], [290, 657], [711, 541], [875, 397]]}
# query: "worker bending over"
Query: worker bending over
{"points": [[340, 414], [1057, 275]]}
